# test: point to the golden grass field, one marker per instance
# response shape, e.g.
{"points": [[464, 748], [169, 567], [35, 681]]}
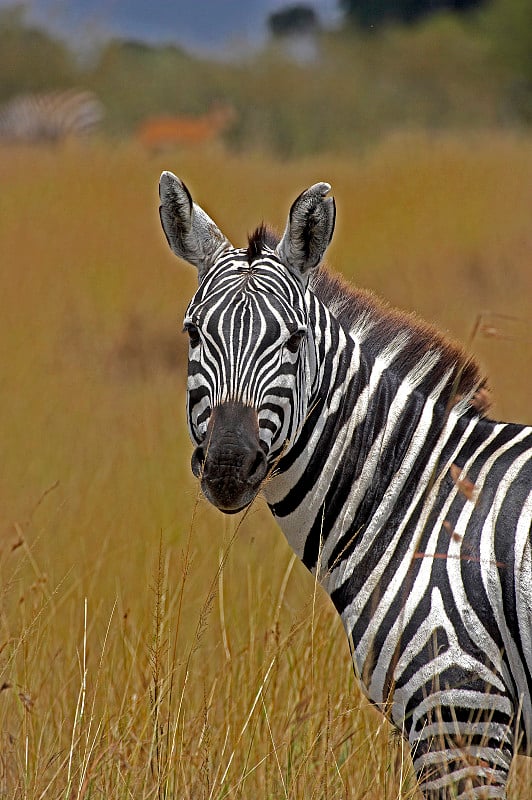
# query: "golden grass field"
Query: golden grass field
{"points": [[150, 647]]}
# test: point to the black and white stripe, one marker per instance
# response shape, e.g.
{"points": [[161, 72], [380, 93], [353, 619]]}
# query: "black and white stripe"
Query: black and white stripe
{"points": [[248, 363], [50, 117], [412, 508]]}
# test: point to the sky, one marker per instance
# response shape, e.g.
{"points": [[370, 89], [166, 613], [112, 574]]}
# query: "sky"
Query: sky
{"points": [[195, 24]]}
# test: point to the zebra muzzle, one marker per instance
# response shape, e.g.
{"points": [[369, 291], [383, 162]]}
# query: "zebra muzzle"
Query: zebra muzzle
{"points": [[230, 462]]}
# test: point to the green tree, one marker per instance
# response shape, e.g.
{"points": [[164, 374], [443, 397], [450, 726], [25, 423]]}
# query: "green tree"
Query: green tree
{"points": [[30, 59], [374, 13], [292, 20], [508, 26]]}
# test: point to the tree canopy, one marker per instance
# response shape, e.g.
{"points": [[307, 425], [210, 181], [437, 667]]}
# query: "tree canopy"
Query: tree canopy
{"points": [[374, 13]]}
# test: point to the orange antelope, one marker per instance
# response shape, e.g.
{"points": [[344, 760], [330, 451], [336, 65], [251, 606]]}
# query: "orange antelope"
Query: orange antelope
{"points": [[160, 133]]}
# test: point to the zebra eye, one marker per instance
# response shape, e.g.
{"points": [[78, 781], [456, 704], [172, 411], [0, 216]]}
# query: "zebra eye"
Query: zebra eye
{"points": [[193, 334], [294, 341]]}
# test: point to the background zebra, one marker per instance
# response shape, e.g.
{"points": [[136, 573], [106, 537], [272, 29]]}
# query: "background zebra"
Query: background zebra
{"points": [[411, 507], [50, 117]]}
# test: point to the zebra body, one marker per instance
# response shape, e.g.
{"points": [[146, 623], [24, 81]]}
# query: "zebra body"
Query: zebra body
{"points": [[412, 508], [49, 117]]}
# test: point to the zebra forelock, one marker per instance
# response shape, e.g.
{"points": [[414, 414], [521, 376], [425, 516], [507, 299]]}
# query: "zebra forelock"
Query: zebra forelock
{"points": [[260, 237]]}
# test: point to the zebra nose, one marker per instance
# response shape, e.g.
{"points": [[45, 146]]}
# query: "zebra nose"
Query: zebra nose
{"points": [[231, 461], [249, 462]]}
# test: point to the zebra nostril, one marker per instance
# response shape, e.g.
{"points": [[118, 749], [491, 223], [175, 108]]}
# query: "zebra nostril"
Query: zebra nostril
{"points": [[258, 466], [198, 461]]}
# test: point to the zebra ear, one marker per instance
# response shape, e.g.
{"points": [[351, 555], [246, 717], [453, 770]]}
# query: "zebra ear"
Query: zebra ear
{"points": [[308, 231], [190, 232]]}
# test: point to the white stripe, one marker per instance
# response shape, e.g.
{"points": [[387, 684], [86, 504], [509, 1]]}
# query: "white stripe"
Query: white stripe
{"points": [[345, 518], [491, 580], [450, 657], [295, 526], [393, 590], [523, 582], [494, 786], [422, 579], [444, 730], [496, 757], [459, 698]]}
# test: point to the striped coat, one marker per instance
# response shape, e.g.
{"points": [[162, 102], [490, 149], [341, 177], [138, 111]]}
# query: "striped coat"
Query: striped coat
{"points": [[50, 116], [410, 505]]}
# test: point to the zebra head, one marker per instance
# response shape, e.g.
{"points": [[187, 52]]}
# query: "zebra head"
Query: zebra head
{"points": [[250, 364]]}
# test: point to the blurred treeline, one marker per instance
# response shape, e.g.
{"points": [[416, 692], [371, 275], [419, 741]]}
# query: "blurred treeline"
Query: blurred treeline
{"points": [[449, 71]]}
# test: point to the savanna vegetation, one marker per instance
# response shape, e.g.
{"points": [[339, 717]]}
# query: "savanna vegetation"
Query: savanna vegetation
{"points": [[149, 646], [348, 88]]}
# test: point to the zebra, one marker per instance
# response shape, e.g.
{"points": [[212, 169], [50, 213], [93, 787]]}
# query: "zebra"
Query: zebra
{"points": [[366, 432], [49, 117]]}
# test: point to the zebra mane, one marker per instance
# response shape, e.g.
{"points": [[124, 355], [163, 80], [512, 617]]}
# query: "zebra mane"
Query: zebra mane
{"points": [[362, 313]]}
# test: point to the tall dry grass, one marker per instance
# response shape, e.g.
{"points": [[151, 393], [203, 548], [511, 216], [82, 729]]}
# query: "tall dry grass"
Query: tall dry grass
{"points": [[150, 647]]}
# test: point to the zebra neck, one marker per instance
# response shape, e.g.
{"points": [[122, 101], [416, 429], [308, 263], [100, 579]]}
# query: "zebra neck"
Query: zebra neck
{"points": [[362, 452]]}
